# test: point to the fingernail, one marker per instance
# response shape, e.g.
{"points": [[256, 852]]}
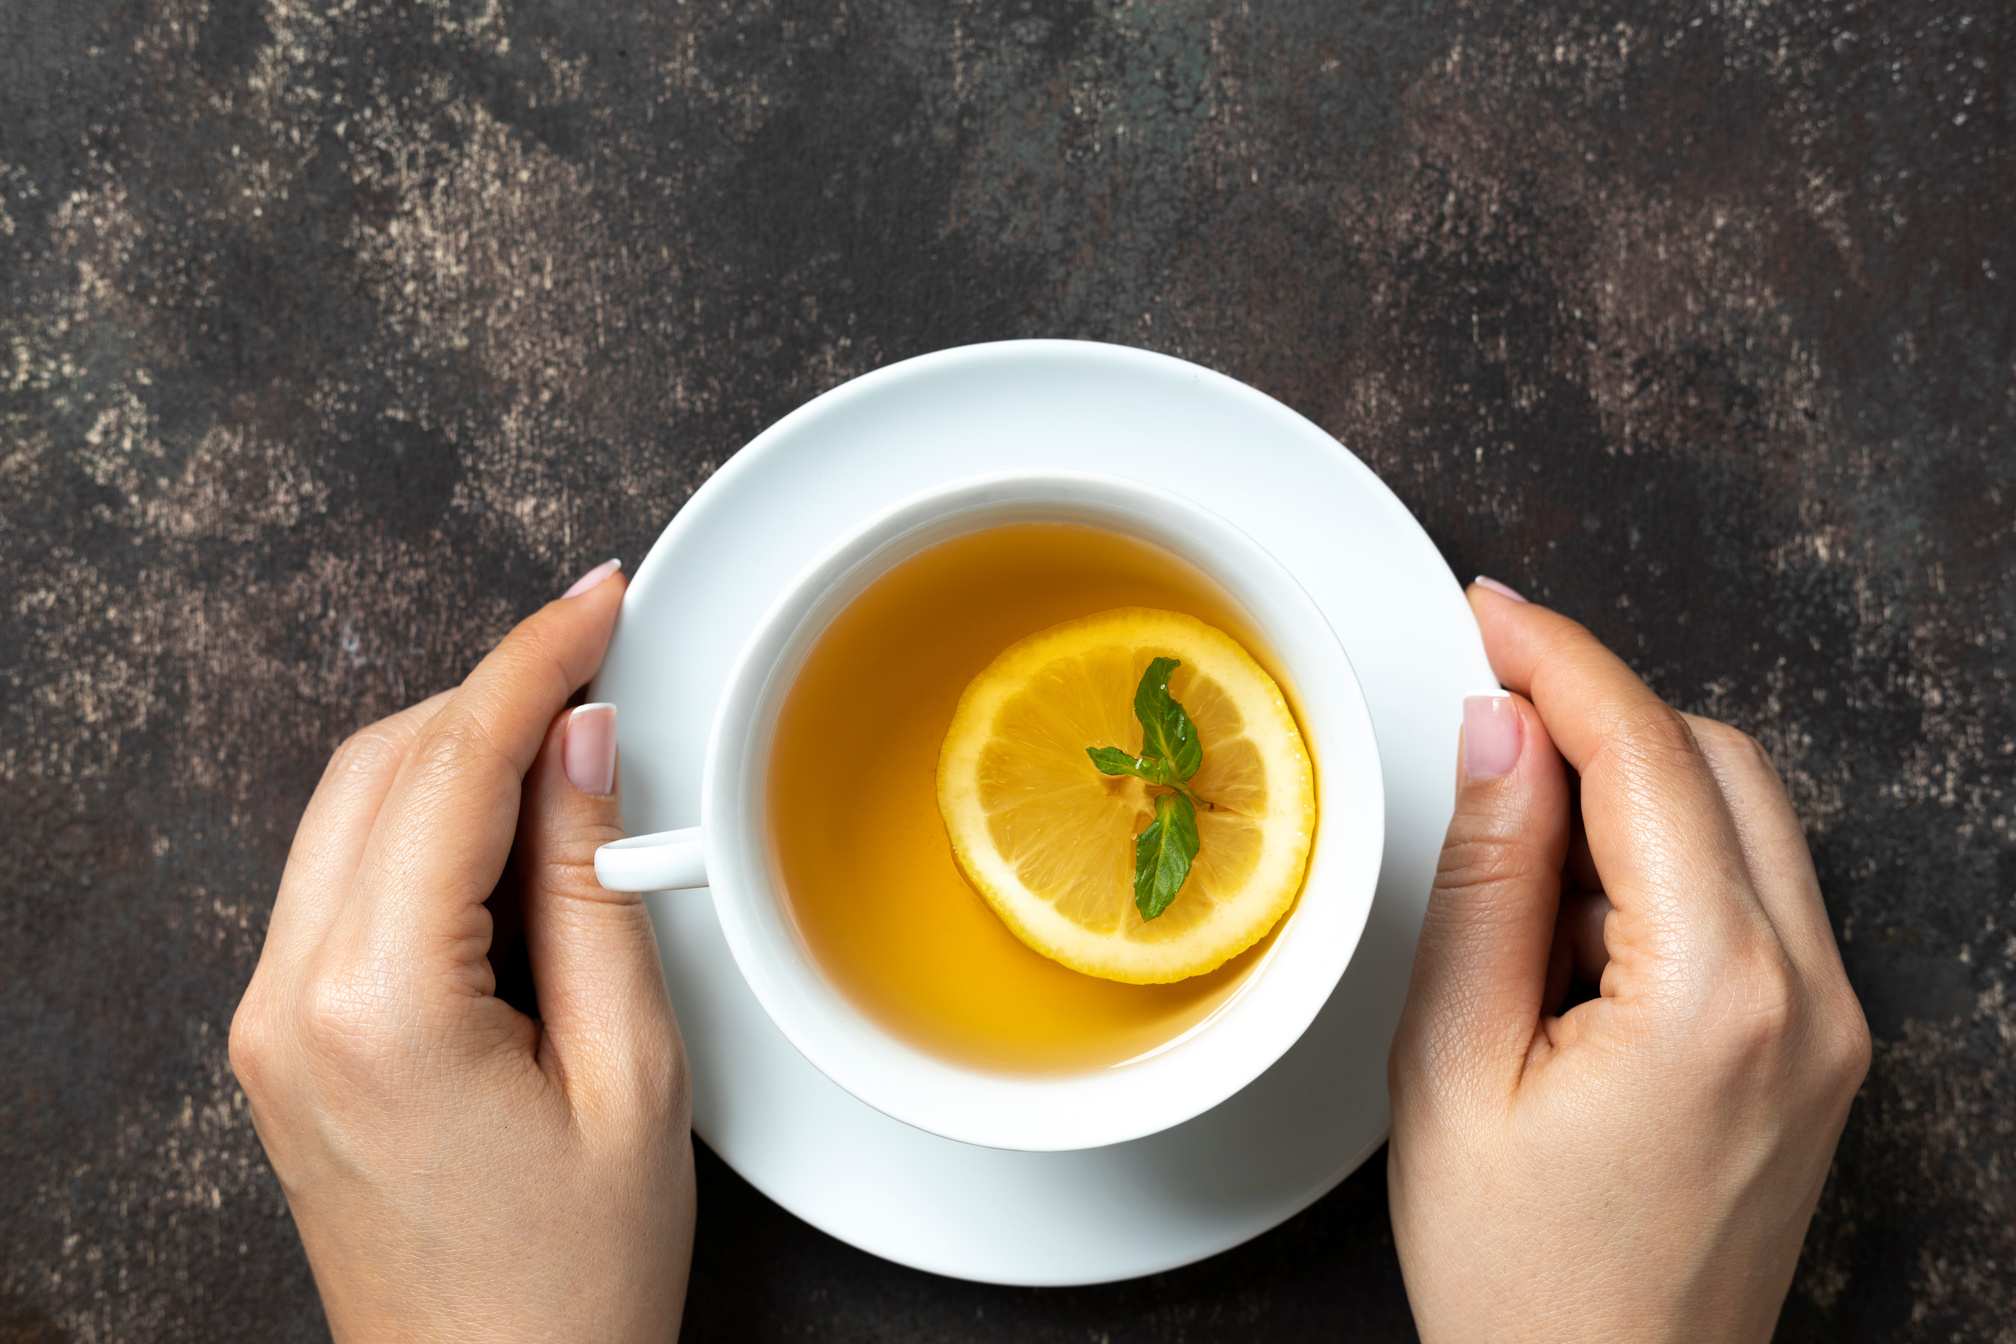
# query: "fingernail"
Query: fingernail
{"points": [[596, 575], [1491, 733], [589, 753], [1502, 589]]}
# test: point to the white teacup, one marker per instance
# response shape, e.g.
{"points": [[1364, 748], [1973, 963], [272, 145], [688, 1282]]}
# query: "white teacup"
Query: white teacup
{"points": [[731, 850]]}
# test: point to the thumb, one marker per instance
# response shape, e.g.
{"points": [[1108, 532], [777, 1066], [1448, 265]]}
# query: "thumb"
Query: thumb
{"points": [[1480, 968], [595, 969]]}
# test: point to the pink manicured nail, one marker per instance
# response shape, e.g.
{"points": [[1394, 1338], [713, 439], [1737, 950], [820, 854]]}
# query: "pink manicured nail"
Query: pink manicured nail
{"points": [[589, 753], [1502, 589], [1491, 733], [596, 575]]}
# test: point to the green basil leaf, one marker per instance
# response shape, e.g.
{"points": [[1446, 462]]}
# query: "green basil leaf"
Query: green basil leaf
{"points": [[1162, 854], [1113, 761], [1166, 731]]}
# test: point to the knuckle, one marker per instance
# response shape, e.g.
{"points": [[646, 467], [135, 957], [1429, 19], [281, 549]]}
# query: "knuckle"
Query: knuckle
{"points": [[1851, 1048], [1484, 861], [1568, 651], [531, 641], [1399, 1070], [1753, 748], [567, 862], [672, 1094], [1737, 743], [1755, 1009], [456, 744], [363, 750], [1770, 999], [1652, 732], [655, 1077], [342, 1023], [651, 1088], [535, 647], [1721, 734], [566, 867], [250, 1047], [1769, 1016]]}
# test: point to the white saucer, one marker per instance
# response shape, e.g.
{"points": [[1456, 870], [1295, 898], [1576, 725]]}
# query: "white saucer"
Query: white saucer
{"points": [[1272, 1149]]}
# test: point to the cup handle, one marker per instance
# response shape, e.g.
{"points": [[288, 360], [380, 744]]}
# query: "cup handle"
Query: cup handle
{"points": [[661, 861]]}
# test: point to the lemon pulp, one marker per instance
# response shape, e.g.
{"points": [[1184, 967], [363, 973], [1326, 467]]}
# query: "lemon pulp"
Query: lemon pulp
{"points": [[1048, 841]]}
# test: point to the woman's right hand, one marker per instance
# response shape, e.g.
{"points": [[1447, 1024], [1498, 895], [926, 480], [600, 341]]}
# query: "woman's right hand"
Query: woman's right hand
{"points": [[1644, 1165], [459, 1170]]}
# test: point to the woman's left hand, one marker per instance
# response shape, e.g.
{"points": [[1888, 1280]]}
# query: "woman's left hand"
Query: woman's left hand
{"points": [[457, 1169]]}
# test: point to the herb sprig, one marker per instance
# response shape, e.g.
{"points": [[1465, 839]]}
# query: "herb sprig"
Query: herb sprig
{"points": [[1170, 755]]}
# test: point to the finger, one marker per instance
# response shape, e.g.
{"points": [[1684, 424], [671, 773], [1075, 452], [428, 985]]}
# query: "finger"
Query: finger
{"points": [[446, 827], [1774, 844], [1481, 967], [594, 956], [322, 862], [1660, 835]]}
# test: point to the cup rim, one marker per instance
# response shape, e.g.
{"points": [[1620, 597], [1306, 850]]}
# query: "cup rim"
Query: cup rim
{"points": [[1066, 1110]]}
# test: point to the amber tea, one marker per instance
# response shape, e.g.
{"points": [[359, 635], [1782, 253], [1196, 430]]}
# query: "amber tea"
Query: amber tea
{"points": [[860, 849]]}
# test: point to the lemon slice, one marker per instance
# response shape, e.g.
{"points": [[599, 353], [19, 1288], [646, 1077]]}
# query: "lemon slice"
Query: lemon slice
{"points": [[1048, 840]]}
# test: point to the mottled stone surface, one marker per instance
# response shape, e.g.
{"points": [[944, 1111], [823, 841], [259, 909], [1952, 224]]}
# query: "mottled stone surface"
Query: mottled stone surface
{"points": [[338, 335]]}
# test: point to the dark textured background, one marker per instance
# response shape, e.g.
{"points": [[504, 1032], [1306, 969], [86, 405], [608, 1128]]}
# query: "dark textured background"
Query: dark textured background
{"points": [[338, 335]]}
